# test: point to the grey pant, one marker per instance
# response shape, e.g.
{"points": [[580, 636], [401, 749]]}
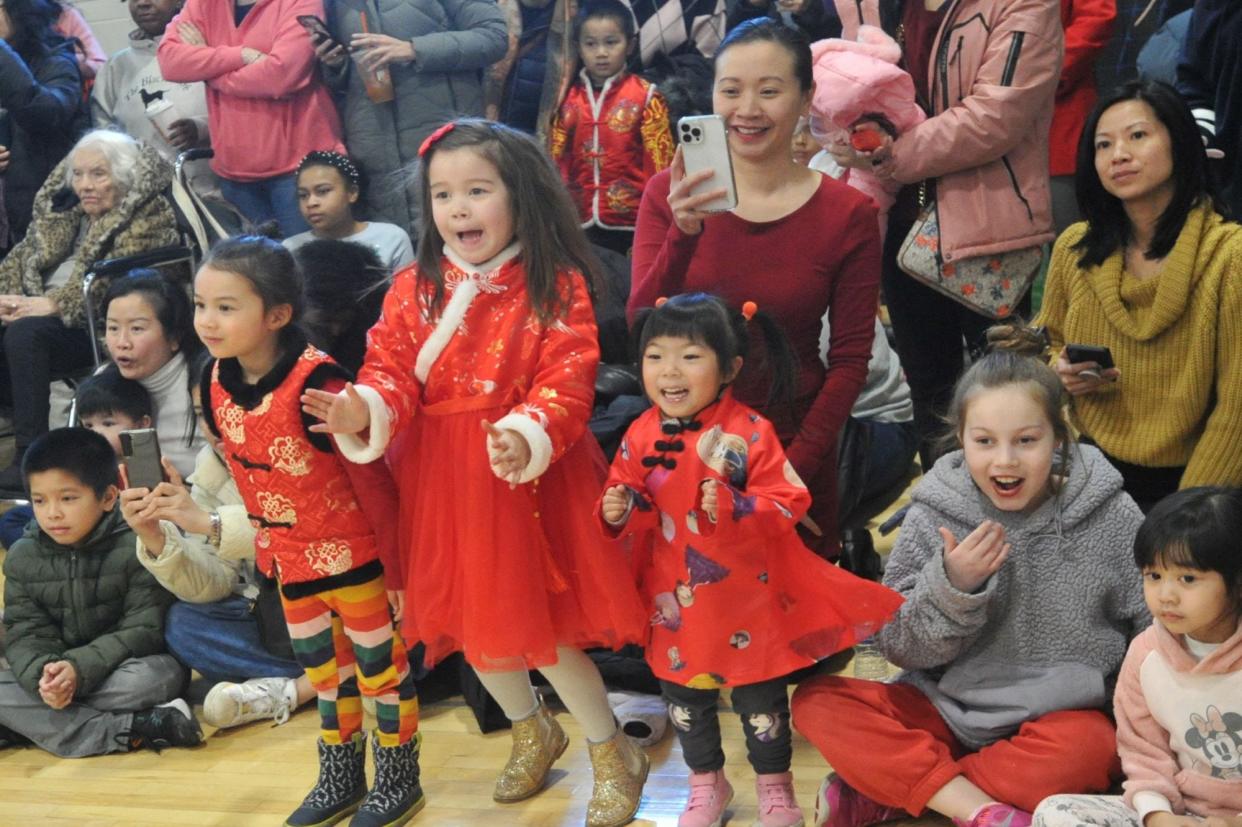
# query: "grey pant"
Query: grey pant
{"points": [[1084, 810], [91, 724]]}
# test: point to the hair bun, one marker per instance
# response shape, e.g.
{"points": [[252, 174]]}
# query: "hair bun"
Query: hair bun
{"points": [[1019, 338]]}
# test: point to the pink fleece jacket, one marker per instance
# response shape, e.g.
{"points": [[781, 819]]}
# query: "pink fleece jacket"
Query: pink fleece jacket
{"points": [[264, 116], [1179, 726]]}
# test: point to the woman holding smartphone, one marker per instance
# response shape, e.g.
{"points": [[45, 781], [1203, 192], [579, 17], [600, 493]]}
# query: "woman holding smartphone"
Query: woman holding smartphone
{"points": [[411, 66], [1151, 274], [798, 244]]}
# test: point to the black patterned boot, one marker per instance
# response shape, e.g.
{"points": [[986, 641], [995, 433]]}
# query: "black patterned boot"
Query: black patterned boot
{"points": [[341, 786], [396, 797]]}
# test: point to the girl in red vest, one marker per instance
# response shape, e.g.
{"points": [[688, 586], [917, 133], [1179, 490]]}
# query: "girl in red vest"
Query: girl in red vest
{"points": [[737, 600], [324, 529], [611, 133], [483, 364]]}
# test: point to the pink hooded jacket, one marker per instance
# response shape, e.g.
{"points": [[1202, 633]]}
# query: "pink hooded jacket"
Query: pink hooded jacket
{"points": [[994, 67], [1179, 726], [855, 79]]}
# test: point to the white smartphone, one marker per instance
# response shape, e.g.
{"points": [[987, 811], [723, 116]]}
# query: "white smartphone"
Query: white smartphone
{"points": [[705, 145]]}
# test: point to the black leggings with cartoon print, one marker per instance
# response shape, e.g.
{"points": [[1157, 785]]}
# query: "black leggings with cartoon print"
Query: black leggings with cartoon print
{"points": [[763, 708]]}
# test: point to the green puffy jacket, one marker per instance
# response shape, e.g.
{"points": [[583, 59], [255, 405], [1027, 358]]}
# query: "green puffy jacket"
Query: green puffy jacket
{"points": [[94, 606]]}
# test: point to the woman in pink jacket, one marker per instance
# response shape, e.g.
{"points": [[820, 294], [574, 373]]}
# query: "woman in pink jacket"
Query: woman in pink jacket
{"points": [[985, 71], [266, 108]]}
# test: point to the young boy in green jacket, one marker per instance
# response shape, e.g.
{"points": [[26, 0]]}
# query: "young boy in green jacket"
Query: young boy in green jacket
{"points": [[84, 620]]}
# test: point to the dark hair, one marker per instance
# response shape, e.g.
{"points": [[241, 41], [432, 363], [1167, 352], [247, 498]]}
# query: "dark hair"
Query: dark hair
{"points": [[345, 286], [707, 320], [33, 22], [545, 220], [173, 311], [1015, 357], [327, 158], [1108, 226], [1197, 528], [109, 392], [604, 10], [267, 265], [83, 454], [767, 30]]}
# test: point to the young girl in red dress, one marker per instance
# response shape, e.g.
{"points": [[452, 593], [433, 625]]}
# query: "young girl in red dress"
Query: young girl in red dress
{"points": [[323, 529], [738, 601], [483, 363]]}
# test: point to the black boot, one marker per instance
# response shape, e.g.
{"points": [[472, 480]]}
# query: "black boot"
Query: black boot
{"points": [[341, 786], [396, 796], [858, 554], [169, 725]]}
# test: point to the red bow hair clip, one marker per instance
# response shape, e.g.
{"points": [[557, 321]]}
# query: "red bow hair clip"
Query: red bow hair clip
{"points": [[433, 137], [749, 309], [660, 301]]}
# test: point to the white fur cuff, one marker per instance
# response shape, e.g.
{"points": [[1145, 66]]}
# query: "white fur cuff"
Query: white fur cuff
{"points": [[538, 440], [360, 451]]}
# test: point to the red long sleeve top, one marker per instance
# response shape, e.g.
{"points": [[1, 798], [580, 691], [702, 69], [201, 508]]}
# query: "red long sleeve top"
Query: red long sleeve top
{"points": [[824, 257]]}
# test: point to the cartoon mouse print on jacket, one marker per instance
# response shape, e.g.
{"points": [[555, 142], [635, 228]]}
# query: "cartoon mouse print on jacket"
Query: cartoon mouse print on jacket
{"points": [[1220, 738]]}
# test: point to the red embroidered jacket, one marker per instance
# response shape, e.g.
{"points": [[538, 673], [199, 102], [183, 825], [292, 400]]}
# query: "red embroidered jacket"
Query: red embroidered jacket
{"points": [[608, 144], [301, 496]]}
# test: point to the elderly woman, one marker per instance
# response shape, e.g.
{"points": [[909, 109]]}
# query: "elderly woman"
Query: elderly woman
{"points": [[103, 201]]}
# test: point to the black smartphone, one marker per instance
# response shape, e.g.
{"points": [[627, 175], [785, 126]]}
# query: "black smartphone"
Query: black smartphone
{"points": [[141, 448], [1102, 356], [317, 28]]}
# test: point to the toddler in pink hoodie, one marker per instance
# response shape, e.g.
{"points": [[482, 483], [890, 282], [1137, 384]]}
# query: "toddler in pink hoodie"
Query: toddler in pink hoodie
{"points": [[1178, 700], [861, 91]]}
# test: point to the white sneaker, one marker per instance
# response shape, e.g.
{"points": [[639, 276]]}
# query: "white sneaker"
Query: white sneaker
{"points": [[233, 704]]}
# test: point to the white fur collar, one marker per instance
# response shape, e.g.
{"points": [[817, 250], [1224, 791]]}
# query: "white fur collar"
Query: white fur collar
{"points": [[493, 263]]}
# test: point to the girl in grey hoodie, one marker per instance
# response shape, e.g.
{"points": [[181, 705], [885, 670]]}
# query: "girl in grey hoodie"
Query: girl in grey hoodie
{"points": [[1020, 601]]}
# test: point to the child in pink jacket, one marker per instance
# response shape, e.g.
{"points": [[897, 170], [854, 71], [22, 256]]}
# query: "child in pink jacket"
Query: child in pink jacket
{"points": [[1178, 700], [266, 107], [860, 90]]}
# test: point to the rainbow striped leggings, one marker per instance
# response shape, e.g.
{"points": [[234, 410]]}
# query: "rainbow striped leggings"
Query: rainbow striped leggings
{"points": [[345, 640]]}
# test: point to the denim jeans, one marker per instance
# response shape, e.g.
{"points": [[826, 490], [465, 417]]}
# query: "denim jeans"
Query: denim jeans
{"points": [[221, 641], [272, 198]]}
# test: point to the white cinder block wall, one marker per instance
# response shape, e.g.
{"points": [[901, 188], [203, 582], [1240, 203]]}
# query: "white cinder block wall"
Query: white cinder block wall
{"points": [[109, 20]]}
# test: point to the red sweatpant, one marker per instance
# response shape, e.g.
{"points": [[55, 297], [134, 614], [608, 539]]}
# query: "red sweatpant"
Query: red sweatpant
{"points": [[889, 743]]}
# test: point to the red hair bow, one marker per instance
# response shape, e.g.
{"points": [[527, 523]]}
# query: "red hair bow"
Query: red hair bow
{"points": [[433, 137]]}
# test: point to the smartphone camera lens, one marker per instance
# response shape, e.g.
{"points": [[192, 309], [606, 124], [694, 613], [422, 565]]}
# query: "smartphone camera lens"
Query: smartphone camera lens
{"points": [[696, 133]]}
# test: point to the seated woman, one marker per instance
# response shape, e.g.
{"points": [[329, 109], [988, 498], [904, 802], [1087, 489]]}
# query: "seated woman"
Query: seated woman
{"points": [[149, 331], [1151, 274], [197, 540], [103, 201]]}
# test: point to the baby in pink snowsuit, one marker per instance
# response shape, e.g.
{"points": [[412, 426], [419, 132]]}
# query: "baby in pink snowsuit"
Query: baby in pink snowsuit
{"points": [[860, 89]]}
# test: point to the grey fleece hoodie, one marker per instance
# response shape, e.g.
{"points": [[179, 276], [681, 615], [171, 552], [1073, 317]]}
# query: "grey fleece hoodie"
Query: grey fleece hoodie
{"points": [[1048, 631]]}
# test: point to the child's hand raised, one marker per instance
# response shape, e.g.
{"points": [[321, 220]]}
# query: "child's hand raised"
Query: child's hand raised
{"points": [[508, 453], [615, 503], [709, 503], [340, 413], [970, 563]]}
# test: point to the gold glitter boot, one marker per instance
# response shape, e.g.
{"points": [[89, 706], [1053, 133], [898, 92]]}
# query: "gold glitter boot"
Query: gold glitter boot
{"points": [[538, 740], [620, 768]]}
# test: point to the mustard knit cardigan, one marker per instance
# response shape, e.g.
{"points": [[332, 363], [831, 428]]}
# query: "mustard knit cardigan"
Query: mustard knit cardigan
{"points": [[1176, 339]]}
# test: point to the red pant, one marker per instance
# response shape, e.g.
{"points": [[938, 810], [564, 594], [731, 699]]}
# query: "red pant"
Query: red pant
{"points": [[889, 743]]}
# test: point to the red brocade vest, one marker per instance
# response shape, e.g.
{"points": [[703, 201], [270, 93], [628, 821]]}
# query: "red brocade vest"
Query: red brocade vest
{"points": [[297, 495], [607, 144]]}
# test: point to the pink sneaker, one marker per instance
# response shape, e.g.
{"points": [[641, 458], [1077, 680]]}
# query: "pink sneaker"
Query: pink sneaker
{"points": [[840, 805], [710, 793], [778, 806], [996, 815]]}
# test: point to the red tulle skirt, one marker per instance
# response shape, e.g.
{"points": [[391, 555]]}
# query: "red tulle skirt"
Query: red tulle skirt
{"points": [[505, 575]]}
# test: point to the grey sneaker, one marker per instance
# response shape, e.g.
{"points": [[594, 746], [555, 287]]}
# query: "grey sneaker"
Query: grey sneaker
{"points": [[233, 704]]}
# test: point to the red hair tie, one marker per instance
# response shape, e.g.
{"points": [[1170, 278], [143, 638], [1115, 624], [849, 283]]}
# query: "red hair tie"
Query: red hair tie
{"points": [[749, 309], [660, 301], [433, 137]]}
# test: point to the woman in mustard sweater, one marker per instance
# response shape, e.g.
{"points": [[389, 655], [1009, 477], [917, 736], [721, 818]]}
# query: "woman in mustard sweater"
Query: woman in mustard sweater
{"points": [[1155, 275]]}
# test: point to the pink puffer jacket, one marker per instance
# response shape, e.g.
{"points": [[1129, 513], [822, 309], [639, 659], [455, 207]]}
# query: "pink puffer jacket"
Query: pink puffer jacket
{"points": [[994, 70]]}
